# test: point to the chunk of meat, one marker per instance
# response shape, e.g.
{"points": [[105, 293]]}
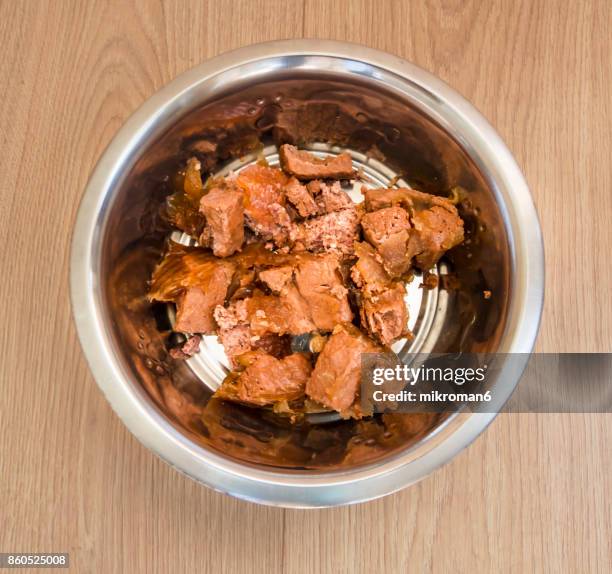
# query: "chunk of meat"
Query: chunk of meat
{"points": [[315, 300], [224, 214], [332, 198], [375, 199], [233, 329], [267, 380], [384, 315], [368, 271], [436, 225], [192, 312], [284, 314], [334, 232], [264, 202], [236, 341], [337, 374], [388, 230], [436, 230], [183, 267], [300, 197], [305, 165], [281, 314], [277, 278], [411, 199], [196, 304], [237, 338], [320, 284], [382, 307]]}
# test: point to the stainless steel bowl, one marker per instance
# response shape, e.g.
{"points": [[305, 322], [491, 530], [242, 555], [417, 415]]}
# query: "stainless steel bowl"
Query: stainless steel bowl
{"points": [[395, 119]]}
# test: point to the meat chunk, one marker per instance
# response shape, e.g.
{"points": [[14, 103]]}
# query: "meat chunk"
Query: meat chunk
{"points": [[183, 267], [284, 314], [388, 230], [436, 224], [267, 380], [334, 232], [192, 312], [368, 271], [410, 199], [224, 214], [382, 307], [277, 278], [305, 165], [315, 300], [233, 329], [430, 281], [375, 199], [335, 379], [196, 304], [300, 197], [281, 314], [384, 315], [264, 202], [332, 198], [436, 230], [320, 284], [237, 338]]}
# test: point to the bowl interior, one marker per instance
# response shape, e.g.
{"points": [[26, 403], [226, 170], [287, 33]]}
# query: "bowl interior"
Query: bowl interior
{"points": [[232, 117]]}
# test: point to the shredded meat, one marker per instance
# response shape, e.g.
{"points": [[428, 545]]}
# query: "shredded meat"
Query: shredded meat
{"points": [[305, 165]]}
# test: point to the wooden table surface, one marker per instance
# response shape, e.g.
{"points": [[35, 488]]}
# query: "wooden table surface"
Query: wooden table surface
{"points": [[530, 495]]}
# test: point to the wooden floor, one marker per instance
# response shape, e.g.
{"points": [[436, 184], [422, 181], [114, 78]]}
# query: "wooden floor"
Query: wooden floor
{"points": [[531, 495]]}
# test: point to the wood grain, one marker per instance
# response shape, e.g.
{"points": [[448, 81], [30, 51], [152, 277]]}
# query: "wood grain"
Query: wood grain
{"points": [[531, 495]]}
